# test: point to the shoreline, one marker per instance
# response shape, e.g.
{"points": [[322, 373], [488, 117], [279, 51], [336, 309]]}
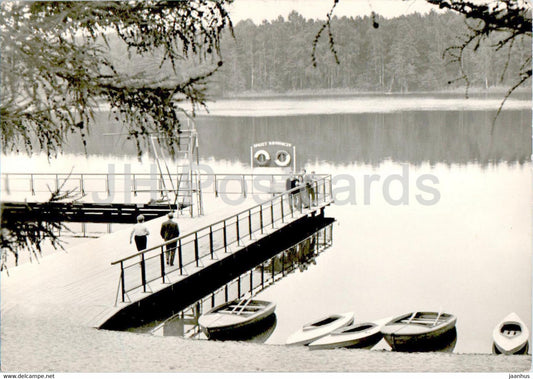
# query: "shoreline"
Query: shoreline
{"points": [[500, 90]]}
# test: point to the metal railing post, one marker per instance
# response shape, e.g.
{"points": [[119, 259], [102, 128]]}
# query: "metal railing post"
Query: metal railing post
{"points": [[82, 185], [237, 229], [250, 223], [225, 238], [239, 287], [282, 211], [262, 276], [272, 213], [261, 217], [32, 185], [226, 293], [163, 263], [180, 257], [196, 253], [211, 248], [122, 281], [251, 280], [143, 272]]}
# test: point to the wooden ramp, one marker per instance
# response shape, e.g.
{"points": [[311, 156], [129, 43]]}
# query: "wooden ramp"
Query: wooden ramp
{"points": [[83, 284]]}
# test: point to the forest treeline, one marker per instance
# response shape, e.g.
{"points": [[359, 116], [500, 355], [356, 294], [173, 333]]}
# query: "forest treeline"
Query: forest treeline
{"points": [[402, 54]]}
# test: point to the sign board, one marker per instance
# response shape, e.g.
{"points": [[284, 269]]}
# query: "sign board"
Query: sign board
{"points": [[273, 154]]}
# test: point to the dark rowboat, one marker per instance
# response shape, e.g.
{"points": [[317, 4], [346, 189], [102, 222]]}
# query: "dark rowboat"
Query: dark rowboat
{"points": [[419, 331], [234, 317]]}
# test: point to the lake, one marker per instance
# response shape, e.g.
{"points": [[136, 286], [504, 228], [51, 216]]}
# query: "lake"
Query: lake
{"points": [[433, 202]]}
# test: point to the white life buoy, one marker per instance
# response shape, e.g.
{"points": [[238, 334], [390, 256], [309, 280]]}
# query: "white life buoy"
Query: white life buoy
{"points": [[262, 157], [283, 158]]}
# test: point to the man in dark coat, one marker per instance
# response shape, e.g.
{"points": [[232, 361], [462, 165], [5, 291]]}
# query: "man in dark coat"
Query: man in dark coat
{"points": [[170, 230]]}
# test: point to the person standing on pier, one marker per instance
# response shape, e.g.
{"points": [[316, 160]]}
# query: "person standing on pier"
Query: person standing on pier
{"points": [[291, 183], [170, 230], [140, 232]]}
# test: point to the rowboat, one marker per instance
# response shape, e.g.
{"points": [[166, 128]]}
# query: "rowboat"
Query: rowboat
{"points": [[363, 335], [234, 318], [510, 336], [420, 331], [319, 328]]}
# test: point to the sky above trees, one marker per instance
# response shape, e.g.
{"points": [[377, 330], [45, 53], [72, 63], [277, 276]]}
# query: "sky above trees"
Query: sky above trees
{"points": [[259, 10]]}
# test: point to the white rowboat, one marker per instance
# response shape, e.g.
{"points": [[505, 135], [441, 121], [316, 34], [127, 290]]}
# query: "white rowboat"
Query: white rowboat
{"points": [[364, 335], [319, 328], [510, 336]]}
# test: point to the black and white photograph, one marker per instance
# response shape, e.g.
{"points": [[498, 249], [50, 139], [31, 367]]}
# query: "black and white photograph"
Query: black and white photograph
{"points": [[266, 186]]}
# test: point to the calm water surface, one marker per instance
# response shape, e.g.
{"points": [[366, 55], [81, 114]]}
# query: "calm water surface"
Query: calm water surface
{"points": [[469, 253]]}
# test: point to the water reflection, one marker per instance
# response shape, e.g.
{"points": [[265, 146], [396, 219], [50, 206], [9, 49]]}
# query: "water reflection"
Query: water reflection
{"points": [[444, 343], [443, 136]]}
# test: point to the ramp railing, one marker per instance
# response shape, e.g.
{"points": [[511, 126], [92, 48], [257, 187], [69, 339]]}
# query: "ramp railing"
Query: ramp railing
{"points": [[139, 270]]}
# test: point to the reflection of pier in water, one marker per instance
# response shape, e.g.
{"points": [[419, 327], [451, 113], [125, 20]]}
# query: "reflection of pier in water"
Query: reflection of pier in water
{"points": [[298, 257]]}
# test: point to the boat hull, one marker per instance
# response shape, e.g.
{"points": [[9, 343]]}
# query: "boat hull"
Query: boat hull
{"points": [[313, 331], [235, 326], [407, 335], [510, 336], [344, 338]]}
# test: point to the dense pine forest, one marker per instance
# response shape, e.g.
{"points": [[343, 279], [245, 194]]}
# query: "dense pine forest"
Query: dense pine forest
{"points": [[399, 55], [403, 54]]}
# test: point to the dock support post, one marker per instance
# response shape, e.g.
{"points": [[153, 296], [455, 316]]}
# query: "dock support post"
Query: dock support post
{"points": [[239, 287], [226, 293], [251, 281]]}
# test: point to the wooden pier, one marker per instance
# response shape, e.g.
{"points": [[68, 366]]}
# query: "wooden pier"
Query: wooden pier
{"points": [[103, 280], [117, 213]]}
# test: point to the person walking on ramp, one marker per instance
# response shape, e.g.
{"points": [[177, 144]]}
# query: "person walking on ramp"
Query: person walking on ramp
{"points": [[140, 232], [170, 230]]}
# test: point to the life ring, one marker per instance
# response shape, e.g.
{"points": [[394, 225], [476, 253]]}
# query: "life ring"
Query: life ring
{"points": [[262, 157], [283, 158]]}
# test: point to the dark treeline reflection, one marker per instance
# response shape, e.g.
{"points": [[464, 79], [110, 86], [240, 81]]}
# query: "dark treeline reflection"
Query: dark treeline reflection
{"points": [[454, 137], [416, 137]]}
